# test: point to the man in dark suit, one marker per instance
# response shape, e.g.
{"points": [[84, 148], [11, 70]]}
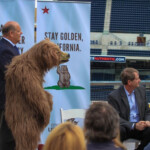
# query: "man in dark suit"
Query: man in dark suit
{"points": [[130, 102], [11, 36]]}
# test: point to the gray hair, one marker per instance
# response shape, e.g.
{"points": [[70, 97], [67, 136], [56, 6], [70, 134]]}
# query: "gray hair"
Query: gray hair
{"points": [[101, 122]]}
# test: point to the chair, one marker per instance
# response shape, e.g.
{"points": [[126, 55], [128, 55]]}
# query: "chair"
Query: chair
{"points": [[131, 144], [71, 113]]}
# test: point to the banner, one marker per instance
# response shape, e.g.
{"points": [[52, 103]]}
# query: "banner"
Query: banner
{"points": [[67, 24], [21, 11]]}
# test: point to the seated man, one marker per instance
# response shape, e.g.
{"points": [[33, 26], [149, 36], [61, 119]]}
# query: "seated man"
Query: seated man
{"points": [[130, 102]]}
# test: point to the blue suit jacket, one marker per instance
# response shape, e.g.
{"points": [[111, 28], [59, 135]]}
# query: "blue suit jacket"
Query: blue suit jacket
{"points": [[119, 101], [102, 146], [7, 52]]}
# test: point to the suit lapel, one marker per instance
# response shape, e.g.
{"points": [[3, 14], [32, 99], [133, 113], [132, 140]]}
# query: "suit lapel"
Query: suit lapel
{"points": [[138, 100], [125, 99]]}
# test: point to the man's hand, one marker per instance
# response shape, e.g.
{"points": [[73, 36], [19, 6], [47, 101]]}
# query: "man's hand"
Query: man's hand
{"points": [[141, 125], [147, 123]]}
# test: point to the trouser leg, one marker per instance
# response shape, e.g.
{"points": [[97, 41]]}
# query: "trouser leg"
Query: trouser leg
{"points": [[143, 136], [124, 133], [6, 139]]}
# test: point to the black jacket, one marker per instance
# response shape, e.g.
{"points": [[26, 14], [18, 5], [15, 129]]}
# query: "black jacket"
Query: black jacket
{"points": [[7, 52], [119, 101]]}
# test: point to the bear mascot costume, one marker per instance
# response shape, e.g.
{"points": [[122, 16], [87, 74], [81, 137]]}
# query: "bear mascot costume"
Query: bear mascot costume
{"points": [[28, 106]]}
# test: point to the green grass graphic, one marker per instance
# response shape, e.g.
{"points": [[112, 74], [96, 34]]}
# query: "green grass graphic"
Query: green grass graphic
{"points": [[56, 87]]}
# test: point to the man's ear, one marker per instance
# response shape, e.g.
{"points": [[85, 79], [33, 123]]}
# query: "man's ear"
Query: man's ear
{"points": [[129, 82], [11, 33]]}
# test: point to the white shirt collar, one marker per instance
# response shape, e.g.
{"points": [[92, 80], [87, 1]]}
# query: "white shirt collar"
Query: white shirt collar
{"points": [[9, 41]]}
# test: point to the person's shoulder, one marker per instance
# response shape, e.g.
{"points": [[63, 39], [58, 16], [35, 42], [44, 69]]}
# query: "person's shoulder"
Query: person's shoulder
{"points": [[119, 148], [105, 145], [116, 148], [141, 88], [2, 43], [2, 40], [117, 91], [5, 45]]}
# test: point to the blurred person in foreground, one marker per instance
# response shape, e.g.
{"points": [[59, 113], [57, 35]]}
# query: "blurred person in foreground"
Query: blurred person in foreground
{"points": [[130, 102], [66, 136], [11, 35], [101, 126]]}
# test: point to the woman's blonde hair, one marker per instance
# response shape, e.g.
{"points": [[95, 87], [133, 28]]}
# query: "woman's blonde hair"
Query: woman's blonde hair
{"points": [[118, 143], [66, 136]]}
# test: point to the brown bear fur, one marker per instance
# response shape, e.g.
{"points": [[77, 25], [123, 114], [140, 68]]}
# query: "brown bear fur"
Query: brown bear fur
{"points": [[28, 106]]}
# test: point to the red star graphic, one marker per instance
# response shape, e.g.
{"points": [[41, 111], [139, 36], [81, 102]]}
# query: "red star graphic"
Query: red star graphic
{"points": [[45, 10]]}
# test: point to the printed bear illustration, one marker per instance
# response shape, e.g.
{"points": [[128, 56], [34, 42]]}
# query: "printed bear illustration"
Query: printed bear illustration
{"points": [[64, 76]]}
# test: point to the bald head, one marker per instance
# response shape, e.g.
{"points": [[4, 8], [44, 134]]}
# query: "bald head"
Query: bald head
{"points": [[9, 26], [12, 31]]}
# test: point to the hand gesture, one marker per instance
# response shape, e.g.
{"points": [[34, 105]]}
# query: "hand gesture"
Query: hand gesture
{"points": [[141, 125]]}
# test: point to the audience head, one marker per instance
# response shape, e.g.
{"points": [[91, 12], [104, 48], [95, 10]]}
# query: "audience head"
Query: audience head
{"points": [[66, 136], [101, 123], [12, 31], [129, 74]]}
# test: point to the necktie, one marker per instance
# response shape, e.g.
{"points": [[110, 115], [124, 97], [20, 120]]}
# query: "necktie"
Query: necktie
{"points": [[16, 49]]}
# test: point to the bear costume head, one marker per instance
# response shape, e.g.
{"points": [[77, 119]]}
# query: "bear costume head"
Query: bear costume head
{"points": [[28, 105]]}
